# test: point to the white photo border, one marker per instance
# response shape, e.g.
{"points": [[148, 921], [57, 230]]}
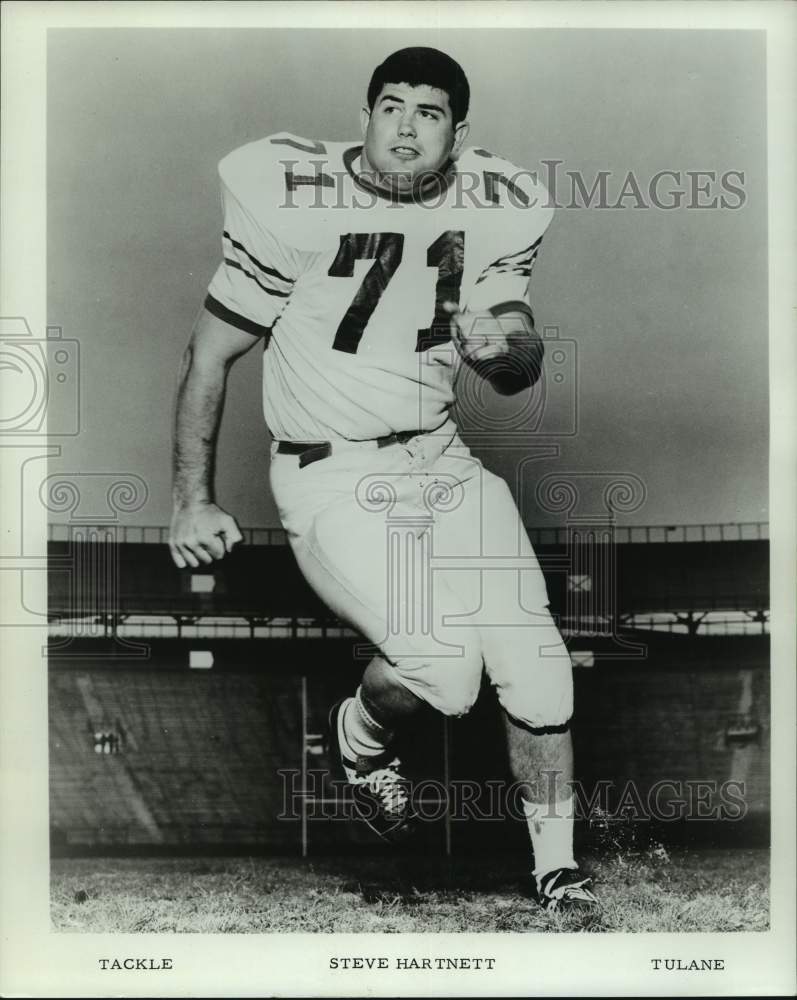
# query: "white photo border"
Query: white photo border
{"points": [[36, 961]]}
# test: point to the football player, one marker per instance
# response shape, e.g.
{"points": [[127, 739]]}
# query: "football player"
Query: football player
{"points": [[378, 275]]}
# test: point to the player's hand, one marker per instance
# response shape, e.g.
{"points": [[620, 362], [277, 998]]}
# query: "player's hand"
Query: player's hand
{"points": [[201, 533], [477, 334]]}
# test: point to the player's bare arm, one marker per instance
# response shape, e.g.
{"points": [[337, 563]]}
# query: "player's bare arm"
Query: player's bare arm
{"points": [[201, 531]]}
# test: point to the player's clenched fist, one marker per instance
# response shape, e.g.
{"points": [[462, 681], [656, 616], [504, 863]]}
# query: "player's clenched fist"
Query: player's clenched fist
{"points": [[505, 350], [200, 533], [477, 334]]}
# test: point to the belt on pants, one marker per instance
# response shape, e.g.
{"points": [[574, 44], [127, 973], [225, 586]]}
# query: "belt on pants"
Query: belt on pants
{"points": [[314, 451]]}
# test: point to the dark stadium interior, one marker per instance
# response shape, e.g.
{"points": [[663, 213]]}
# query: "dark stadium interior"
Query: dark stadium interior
{"points": [[150, 754]]}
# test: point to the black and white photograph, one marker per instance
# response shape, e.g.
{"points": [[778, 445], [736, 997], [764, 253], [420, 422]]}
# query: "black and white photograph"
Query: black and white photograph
{"points": [[398, 499]]}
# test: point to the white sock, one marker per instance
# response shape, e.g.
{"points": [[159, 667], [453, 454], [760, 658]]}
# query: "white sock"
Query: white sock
{"points": [[363, 735], [551, 835]]}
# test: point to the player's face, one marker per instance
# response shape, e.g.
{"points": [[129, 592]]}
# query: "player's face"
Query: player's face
{"points": [[410, 132]]}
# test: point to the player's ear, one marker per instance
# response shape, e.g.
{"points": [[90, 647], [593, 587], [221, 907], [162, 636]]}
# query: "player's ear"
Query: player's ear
{"points": [[460, 135], [365, 118]]}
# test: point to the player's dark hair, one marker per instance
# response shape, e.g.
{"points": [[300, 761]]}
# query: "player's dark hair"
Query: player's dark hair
{"points": [[420, 66]]}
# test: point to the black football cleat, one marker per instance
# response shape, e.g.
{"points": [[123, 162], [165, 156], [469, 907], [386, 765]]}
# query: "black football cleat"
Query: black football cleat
{"points": [[380, 793], [565, 889]]}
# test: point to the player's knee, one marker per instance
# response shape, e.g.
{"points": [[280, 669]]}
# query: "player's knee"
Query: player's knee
{"points": [[459, 696], [450, 684], [540, 696], [547, 711]]}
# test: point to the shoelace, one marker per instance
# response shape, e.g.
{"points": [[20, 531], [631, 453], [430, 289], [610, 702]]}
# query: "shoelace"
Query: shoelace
{"points": [[388, 786], [574, 892], [571, 890]]}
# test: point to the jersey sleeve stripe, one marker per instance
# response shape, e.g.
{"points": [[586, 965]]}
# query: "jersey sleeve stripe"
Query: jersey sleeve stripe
{"points": [[521, 272], [520, 263], [268, 291], [516, 269], [521, 257], [272, 272], [221, 312]]}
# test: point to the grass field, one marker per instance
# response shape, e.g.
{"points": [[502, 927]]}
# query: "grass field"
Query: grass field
{"points": [[656, 889]]}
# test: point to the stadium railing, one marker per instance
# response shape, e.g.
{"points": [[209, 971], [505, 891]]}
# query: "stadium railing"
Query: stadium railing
{"points": [[727, 532]]}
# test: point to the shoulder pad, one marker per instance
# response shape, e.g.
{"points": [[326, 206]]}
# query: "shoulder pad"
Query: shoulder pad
{"points": [[259, 168], [275, 181], [502, 181]]}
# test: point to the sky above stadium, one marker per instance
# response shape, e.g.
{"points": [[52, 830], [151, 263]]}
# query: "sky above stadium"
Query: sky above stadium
{"points": [[658, 297]]}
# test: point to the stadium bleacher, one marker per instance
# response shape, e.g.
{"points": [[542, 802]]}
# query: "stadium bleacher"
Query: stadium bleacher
{"points": [[201, 751]]}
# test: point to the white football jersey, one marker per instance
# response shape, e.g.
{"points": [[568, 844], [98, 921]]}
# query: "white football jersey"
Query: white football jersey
{"points": [[346, 283]]}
